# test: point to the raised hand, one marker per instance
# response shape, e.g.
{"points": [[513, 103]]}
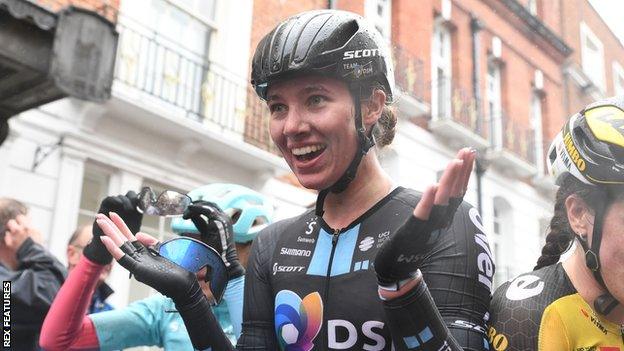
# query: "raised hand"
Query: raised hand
{"points": [[125, 207], [146, 265], [399, 258]]}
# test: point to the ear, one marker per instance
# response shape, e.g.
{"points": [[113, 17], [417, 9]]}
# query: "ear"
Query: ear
{"points": [[580, 216], [372, 108]]}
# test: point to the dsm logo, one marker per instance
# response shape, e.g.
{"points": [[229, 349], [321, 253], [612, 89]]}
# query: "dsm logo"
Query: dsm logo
{"points": [[297, 321]]}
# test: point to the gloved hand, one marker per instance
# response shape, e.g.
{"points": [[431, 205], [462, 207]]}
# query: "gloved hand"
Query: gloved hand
{"points": [[158, 272], [216, 231], [399, 258], [124, 206]]}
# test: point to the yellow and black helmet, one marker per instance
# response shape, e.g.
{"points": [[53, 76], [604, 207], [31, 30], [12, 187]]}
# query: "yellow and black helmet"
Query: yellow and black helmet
{"points": [[590, 146]]}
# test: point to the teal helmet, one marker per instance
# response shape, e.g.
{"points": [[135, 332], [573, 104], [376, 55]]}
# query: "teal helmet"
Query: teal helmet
{"points": [[249, 210]]}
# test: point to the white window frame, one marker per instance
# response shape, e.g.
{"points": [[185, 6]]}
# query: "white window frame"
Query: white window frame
{"points": [[618, 76], [98, 173], [383, 21], [441, 70], [493, 100], [536, 125], [593, 63]]}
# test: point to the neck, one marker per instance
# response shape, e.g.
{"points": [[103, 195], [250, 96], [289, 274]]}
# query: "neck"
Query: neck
{"points": [[370, 185], [585, 283]]}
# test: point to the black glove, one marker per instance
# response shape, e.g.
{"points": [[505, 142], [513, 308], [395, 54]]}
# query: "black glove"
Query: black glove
{"points": [[125, 207], [182, 287], [400, 257], [216, 231]]}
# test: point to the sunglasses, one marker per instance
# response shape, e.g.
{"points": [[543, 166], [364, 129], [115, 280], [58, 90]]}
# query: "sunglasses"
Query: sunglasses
{"points": [[168, 204], [193, 255]]}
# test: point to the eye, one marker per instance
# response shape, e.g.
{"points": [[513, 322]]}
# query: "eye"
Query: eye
{"points": [[277, 108], [316, 100]]}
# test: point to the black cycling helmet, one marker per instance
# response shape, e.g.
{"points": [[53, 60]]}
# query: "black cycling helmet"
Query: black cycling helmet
{"points": [[331, 43], [590, 147]]}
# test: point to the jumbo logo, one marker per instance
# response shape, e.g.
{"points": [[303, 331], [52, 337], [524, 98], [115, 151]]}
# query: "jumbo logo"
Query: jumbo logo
{"points": [[498, 341], [574, 154]]}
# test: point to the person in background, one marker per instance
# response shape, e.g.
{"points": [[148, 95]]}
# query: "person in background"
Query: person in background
{"points": [[146, 322], [250, 212], [79, 239], [576, 303], [35, 274]]}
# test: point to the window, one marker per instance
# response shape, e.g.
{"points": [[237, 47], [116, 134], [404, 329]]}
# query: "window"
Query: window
{"points": [[592, 57], [618, 79], [379, 12], [493, 102], [94, 189], [441, 71], [536, 127], [163, 49]]}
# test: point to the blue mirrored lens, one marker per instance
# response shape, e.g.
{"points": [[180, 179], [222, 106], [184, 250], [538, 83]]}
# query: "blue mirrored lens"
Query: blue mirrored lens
{"points": [[193, 255]]}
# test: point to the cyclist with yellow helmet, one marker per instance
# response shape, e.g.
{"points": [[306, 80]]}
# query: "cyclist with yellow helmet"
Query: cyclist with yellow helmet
{"points": [[575, 304]]}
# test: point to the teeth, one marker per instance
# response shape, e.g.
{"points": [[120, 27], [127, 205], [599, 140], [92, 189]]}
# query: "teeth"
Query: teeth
{"points": [[306, 150]]}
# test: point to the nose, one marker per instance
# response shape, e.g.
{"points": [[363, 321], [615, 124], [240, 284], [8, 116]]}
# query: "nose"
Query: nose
{"points": [[296, 123]]}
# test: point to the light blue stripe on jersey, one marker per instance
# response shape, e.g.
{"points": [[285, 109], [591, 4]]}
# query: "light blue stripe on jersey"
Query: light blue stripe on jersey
{"points": [[343, 256]]}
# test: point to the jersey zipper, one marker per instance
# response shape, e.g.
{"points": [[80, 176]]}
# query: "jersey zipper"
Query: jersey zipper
{"points": [[328, 276]]}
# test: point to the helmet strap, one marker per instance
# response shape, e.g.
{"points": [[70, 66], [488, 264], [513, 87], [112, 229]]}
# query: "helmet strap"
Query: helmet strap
{"points": [[605, 303], [365, 142]]}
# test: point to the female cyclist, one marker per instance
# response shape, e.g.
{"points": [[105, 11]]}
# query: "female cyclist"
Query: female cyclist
{"points": [[575, 304], [151, 321], [315, 281]]}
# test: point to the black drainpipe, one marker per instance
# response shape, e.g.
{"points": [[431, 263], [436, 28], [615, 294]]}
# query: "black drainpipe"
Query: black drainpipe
{"points": [[475, 27]]}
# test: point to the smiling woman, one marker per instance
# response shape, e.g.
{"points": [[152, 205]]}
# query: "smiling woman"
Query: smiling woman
{"points": [[314, 282]]}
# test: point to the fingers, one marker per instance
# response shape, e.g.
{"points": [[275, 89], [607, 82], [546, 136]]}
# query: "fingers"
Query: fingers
{"points": [[146, 239], [114, 250], [470, 156], [446, 184], [109, 228], [423, 209], [121, 225]]}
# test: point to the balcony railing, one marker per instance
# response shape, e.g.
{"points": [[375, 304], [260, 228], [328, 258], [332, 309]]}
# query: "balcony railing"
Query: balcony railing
{"points": [[514, 137], [170, 76], [449, 101]]}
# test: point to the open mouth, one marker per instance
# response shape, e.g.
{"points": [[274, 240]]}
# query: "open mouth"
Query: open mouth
{"points": [[308, 153]]}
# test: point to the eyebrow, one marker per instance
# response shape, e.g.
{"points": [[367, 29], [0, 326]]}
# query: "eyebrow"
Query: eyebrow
{"points": [[311, 88]]}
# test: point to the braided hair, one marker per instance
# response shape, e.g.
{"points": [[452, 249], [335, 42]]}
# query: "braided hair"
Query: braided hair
{"points": [[560, 236]]}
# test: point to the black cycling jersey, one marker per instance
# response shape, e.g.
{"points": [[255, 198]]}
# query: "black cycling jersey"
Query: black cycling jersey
{"points": [[309, 287], [542, 311]]}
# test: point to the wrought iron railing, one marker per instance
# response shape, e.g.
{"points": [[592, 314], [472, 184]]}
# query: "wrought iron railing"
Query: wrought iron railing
{"points": [[452, 102], [189, 84], [513, 136]]}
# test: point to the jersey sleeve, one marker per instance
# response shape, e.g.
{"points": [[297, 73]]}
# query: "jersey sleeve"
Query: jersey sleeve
{"points": [[135, 325], [458, 271], [552, 333], [66, 325], [258, 326]]}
